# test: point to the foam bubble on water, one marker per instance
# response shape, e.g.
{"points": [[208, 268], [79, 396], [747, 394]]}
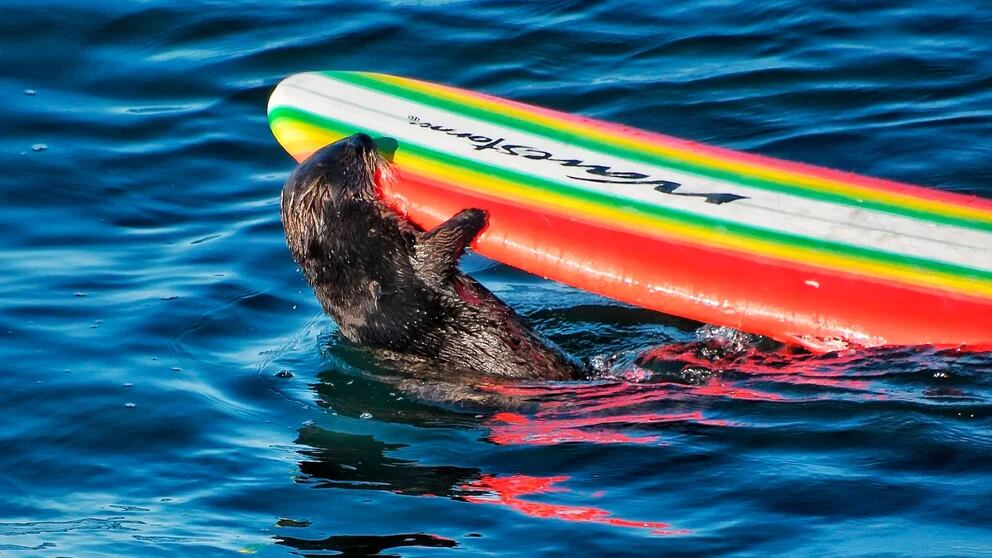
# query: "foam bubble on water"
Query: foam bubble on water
{"points": [[695, 375], [619, 366], [600, 363], [39, 147], [726, 341]]}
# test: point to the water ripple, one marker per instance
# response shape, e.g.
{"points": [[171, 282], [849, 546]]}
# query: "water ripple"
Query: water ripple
{"points": [[173, 388]]}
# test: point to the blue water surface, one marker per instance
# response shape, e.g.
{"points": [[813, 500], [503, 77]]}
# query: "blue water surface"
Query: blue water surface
{"points": [[171, 387]]}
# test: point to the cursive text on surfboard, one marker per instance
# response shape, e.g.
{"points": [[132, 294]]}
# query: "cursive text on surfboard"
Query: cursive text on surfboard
{"points": [[601, 174]]}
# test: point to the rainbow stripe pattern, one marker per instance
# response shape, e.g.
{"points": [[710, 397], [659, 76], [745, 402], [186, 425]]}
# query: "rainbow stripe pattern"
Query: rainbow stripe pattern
{"points": [[793, 251]]}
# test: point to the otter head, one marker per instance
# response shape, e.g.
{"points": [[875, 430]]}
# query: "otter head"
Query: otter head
{"points": [[342, 172], [345, 169]]}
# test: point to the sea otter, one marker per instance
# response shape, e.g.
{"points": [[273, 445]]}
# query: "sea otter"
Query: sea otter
{"points": [[395, 289]]}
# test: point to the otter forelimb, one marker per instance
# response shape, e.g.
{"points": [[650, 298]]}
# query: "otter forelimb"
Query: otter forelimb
{"points": [[438, 250]]}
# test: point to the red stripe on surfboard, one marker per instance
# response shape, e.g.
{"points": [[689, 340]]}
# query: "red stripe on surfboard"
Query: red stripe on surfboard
{"points": [[759, 295], [738, 156]]}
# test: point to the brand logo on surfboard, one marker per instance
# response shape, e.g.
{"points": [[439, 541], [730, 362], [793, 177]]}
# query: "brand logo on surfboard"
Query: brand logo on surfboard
{"points": [[601, 174]]}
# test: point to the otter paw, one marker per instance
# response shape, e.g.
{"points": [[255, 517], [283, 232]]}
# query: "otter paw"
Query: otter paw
{"points": [[471, 221]]}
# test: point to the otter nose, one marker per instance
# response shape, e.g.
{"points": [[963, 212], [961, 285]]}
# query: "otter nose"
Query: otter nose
{"points": [[363, 142]]}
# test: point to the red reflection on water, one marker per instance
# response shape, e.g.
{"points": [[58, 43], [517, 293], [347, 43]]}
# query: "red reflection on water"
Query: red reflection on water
{"points": [[507, 491], [593, 413], [605, 412], [542, 429], [783, 366], [719, 389], [514, 429]]}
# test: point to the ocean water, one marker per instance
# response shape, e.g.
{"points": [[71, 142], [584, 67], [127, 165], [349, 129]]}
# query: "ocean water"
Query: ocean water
{"points": [[171, 388]]}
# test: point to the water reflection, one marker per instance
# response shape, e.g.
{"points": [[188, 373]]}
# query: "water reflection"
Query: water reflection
{"points": [[358, 462], [356, 546], [669, 396], [509, 491], [647, 396]]}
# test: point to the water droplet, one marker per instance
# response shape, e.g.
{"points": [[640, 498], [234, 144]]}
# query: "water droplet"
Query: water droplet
{"points": [[30, 92], [130, 405], [365, 416], [39, 147]]}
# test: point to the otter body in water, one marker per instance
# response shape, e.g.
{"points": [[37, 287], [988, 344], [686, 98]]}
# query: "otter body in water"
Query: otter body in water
{"points": [[398, 290]]}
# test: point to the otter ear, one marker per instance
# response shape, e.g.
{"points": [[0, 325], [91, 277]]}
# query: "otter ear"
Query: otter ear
{"points": [[438, 250]]}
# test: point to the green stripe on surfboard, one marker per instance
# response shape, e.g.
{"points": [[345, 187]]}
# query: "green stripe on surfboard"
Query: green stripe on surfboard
{"points": [[369, 81]]}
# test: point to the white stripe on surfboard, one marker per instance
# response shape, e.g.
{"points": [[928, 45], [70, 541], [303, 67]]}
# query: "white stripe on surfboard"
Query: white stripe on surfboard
{"points": [[388, 115]]}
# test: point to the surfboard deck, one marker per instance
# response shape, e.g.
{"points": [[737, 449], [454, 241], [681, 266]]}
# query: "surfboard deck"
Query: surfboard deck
{"points": [[796, 252]]}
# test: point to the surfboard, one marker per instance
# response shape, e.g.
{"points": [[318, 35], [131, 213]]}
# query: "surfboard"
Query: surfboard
{"points": [[792, 251]]}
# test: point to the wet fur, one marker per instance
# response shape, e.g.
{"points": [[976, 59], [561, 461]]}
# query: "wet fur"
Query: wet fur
{"points": [[395, 289]]}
